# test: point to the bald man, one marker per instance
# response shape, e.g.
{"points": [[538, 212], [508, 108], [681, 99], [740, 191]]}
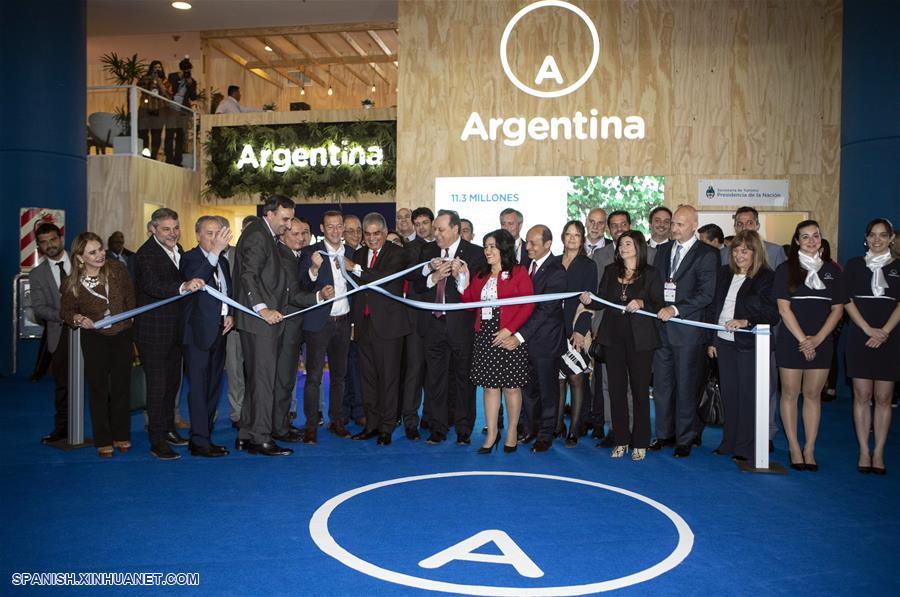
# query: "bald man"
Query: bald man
{"points": [[688, 269]]}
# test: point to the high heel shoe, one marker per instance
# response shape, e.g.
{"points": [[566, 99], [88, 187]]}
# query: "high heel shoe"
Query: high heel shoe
{"points": [[619, 451], [489, 449], [798, 466], [638, 454], [122, 446], [105, 452], [510, 449], [879, 470]]}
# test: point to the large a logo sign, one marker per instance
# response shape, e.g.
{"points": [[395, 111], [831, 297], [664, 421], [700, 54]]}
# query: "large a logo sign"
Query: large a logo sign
{"points": [[495, 538]]}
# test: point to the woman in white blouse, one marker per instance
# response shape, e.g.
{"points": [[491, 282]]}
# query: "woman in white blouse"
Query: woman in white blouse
{"points": [[743, 299]]}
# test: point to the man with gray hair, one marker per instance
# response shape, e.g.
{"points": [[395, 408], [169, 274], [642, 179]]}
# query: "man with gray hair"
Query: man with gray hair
{"points": [[511, 220], [380, 324]]}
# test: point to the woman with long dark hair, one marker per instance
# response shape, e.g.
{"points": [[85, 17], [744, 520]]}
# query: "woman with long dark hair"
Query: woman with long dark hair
{"points": [[629, 340], [811, 297], [152, 109], [495, 368], [581, 276], [873, 283], [95, 289]]}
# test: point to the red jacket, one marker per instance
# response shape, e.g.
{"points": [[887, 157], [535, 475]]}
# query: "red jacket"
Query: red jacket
{"points": [[512, 317]]}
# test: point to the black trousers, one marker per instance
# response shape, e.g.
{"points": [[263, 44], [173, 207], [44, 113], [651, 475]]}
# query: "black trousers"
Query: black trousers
{"points": [[260, 366], [595, 402], [286, 375], [677, 376], [204, 371], [540, 400], [737, 382], [332, 340], [624, 366], [379, 365], [162, 368], [152, 139], [352, 401], [107, 372], [413, 378], [448, 358], [174, 145], [59, 368]]}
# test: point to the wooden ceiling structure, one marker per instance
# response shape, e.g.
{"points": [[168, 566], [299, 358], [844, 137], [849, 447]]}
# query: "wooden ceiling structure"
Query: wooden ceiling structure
{"points": [[327, 55]]}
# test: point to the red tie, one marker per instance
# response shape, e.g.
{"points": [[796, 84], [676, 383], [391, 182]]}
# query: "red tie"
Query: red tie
{"points": [[371, 263], [533, 268]]}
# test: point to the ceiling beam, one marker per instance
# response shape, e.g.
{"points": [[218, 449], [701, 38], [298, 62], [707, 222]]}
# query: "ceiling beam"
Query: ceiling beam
{"points": [[261, 62], [359, 50], [315, 61], [384, 47], [298, 60], [306, 71], [243, 64], [298, 29], [331, 50]]}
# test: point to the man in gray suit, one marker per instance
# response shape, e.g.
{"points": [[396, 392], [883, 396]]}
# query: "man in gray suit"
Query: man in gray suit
{"points": [[234, 356], [618, 223], [45, 282]]}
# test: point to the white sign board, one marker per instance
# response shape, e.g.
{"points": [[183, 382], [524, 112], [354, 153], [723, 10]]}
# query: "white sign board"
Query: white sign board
{"points": [[738, 192]]}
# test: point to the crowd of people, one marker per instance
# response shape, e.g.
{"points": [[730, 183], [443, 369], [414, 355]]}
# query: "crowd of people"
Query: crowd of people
{"points": [[593, 360]]}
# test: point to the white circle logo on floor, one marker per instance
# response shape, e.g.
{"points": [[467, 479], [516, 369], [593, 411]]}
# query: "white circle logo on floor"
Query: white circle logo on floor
{"points": [[502, 533]]}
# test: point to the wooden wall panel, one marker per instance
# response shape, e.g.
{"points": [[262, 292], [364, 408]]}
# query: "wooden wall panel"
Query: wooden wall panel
{"points": [[727, 88]]}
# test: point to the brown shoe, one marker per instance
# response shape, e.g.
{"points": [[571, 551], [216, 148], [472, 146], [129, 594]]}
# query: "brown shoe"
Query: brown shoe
{"points": [[182, 424], [309, 435], [105, 451], [122, 446], [338, 429]]}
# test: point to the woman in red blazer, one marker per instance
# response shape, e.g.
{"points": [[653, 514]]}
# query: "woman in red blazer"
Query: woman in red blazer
{"points": [[496, 368]]}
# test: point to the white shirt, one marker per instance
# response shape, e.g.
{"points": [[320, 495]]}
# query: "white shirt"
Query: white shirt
{"points": [[341, 306], [174, 254], [728, 308], [220, 276], [536, 264], [461, 281], [229, 105], [590, 248], [411, 237], [685, 247], [54, 268], [655, 244]]}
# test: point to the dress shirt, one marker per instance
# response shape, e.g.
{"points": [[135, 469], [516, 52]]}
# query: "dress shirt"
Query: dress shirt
{"points": [[654, 243], [174, 254], [340, 306], [737, 280], [589, 248], [536, 265], [461, 281], [54, 268], [120, 257], [220, 276], [229, 105], [685, 247], [411, 237]]}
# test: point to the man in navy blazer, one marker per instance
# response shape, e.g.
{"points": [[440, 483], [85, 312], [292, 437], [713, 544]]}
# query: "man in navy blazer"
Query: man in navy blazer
{"points": [[206, 322], [544, 337], [688, 268]]}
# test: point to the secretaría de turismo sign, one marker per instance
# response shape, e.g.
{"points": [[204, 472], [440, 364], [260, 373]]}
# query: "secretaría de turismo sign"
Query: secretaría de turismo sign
{"points": [[310, 159]]}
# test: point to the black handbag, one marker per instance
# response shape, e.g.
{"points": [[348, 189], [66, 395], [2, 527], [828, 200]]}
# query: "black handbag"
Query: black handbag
{"points": [[596, 351], [710, 409]]}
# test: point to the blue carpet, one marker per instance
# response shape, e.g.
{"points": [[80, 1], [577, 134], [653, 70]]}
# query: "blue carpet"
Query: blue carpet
{"points": [[242, 522]]}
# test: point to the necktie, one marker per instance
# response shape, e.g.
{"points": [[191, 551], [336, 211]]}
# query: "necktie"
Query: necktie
{"points": [[676, 260], [441, 287], [371, 264], [533, 268], [62, 273]]}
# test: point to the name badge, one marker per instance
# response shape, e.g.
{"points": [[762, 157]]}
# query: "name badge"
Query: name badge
{"points": [[669, 291], [486, 313]]}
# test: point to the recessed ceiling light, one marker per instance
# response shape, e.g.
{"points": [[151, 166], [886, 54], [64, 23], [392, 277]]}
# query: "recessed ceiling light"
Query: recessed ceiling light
{"points": [[268, 49], [181, 5]]}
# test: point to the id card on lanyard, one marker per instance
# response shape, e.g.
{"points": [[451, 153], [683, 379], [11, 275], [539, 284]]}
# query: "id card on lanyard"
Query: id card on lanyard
{"points": [[669, 291]]}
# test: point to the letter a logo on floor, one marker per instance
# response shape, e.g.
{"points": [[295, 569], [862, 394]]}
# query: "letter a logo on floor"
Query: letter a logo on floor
{"points": [[549, 68], [498, 533]]}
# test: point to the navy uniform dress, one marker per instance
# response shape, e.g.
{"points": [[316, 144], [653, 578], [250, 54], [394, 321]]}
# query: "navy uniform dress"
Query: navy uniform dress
{"points": [[882, 363], [811, 308]]}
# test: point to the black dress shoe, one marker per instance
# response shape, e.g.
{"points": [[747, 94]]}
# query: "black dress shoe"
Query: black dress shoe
{"points": [[739, 458], [384, 439], [53, 437], [412, 434], [597, 432], [175, 440], [541, 445], [241, 444], [698, 440], [162, 451], [659, 444], [571, 440], [560, 432], [321, 420], [436, 437], [365, 435], [207, 451], [682, 451], [527, 438], [268, 449], [607, 442], [463, 439], [293, 436], [218, 448]]}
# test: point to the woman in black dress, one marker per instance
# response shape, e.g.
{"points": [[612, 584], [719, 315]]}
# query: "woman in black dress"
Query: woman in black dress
{"points": [[873, 286], [629, 340], [811, 297], [581, 275]]}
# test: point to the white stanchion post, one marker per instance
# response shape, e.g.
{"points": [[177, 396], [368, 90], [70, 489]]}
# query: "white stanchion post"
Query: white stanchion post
{"points": [[133, 118], [763, 360]]}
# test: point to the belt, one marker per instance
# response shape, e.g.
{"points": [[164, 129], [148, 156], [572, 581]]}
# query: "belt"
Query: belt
{"points": [[338, 317]]}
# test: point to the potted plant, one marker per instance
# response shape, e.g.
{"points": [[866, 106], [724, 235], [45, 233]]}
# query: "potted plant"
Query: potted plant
{"points": [[124, 71]]}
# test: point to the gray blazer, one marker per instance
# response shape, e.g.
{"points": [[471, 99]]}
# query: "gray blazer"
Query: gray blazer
{"points": [[45, 302], [602, 258], [774, 254]]}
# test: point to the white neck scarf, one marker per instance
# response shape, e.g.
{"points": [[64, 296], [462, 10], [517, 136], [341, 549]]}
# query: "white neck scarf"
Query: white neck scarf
{"points": [[875, 263], [812, 265]]}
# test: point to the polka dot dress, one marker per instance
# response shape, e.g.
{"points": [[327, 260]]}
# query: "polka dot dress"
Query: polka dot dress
{"points": [[495, 367]]}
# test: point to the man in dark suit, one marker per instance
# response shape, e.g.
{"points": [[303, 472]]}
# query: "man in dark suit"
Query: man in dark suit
{"points": [[260, 284], [448, 341], [352, 402], [688, 268], [294, 261], [511, 220], [158, 332], [380, 323], [414, 348], [207, 320], [327, 328], [544, 337], [45, 282], [115, 248]]}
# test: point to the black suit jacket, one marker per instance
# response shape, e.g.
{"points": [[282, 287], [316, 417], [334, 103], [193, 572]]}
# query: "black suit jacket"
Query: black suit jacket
{"points": [[418, 317], [388, 317], [460, 324], [259, 277], [522, 257], [544, 332], [202, 312], [297, 298], [649, 289], [755, 302], [695, 290], [581, 276], [157, 278]]}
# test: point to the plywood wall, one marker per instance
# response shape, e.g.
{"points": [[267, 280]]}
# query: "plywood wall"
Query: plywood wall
{"points": [[739, 88]]}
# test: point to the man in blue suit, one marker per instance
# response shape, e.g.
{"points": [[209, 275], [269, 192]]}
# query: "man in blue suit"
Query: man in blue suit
{"points": [[206, 322], [688, 268]]}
